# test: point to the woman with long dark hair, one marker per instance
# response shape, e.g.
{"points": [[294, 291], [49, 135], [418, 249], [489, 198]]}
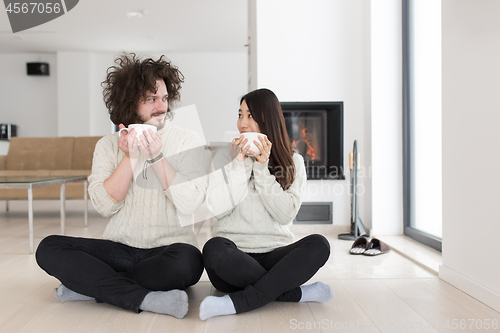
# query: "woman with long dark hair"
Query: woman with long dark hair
{"points": [[255, 196]]}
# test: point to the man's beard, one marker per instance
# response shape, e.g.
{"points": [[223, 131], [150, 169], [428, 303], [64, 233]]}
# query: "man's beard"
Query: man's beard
{"points": [[158, 122]]}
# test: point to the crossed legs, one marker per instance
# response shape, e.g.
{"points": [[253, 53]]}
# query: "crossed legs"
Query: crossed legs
{"points": [[255, 279], [119, 274]]}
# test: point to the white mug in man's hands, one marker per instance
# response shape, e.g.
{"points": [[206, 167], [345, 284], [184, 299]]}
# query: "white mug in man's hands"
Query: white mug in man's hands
{"points": [[140, 129], [251, 136]]}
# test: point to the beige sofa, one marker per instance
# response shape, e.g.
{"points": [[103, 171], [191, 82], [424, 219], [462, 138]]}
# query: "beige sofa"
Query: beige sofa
{"points": [[59, 156]]}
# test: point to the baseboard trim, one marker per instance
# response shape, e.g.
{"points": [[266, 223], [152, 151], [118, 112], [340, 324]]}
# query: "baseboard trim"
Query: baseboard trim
{"points": [[471, 287]]}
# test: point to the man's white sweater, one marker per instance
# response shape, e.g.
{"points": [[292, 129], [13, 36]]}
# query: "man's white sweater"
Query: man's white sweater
{"points": [[148, 216], [252, 208]]}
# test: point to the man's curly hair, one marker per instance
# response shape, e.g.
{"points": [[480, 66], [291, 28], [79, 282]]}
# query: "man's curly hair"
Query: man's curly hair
{"points": [[128, 82]]}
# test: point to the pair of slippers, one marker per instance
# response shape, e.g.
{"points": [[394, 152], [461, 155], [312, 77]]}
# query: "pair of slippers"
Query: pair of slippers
{"points": [[369, 248]]}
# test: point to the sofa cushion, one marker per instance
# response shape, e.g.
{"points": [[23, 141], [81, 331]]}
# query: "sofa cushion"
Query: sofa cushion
{"points": [[40, 153], [83, 152]]}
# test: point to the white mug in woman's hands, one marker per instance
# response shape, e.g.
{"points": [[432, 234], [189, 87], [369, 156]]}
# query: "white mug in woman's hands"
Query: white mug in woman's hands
{"points": [[251, 137]]}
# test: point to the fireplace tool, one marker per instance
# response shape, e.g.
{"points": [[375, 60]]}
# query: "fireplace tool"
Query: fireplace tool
{"points": [[357, 228]]}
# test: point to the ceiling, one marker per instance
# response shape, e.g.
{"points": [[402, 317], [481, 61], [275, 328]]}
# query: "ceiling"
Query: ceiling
{"points": [[165, 26]]}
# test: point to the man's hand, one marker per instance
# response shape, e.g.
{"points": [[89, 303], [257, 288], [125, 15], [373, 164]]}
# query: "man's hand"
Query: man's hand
{"points": [[128, 143], [118, 183], [150, 144]]}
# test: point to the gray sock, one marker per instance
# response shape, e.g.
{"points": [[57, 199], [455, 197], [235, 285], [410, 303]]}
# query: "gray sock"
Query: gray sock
{"points": [[316, 292], [216, 306], [172, 302], [64, 294]]}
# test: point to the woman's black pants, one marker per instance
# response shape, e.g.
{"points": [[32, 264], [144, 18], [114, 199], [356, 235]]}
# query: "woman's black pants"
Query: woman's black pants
{"points": [[255, 279]]}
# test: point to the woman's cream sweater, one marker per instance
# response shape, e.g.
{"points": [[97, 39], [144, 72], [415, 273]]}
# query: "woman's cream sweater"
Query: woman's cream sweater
{"points": [[252, 208]]}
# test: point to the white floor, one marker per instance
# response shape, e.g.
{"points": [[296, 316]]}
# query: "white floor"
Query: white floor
{"points": [[386, 293]]}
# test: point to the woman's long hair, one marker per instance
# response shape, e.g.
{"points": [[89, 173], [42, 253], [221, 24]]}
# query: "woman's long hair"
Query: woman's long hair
{"points": [[266, 111]]}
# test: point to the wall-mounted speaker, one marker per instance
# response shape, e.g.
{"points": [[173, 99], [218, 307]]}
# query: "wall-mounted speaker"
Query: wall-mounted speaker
{"points": [[7, 131], [37, 68]]}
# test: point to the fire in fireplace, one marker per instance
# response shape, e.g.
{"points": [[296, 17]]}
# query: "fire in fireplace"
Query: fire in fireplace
{"points": [[316, 133], [307, 133]]}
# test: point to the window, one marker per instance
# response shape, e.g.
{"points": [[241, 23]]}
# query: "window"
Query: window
{"points": [[422, 121]]}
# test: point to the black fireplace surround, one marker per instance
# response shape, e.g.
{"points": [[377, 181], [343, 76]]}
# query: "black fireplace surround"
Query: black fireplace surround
{"points": [[316, 131]]}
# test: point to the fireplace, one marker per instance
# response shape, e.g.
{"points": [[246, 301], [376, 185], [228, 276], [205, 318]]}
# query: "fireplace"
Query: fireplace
{"points": [[316, 131]]}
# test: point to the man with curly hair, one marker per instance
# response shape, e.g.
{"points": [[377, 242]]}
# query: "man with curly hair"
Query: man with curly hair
{"points": [[147, 256]]}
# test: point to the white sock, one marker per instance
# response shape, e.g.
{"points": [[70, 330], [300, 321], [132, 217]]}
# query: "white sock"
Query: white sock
{"points": [[172, 302], [216, 306], [316, 292], [64, 294]]}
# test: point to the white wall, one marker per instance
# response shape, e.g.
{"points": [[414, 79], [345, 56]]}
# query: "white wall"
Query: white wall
{"points": [[471, 49], [25, 100], [81, 108], [313, 51], [214, 82], [73, 92], [99, 121]]}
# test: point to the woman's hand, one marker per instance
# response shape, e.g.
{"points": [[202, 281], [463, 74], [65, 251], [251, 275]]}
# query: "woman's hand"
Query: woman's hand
{"points": [[151, 144], [265, 149], [237, 150]]}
